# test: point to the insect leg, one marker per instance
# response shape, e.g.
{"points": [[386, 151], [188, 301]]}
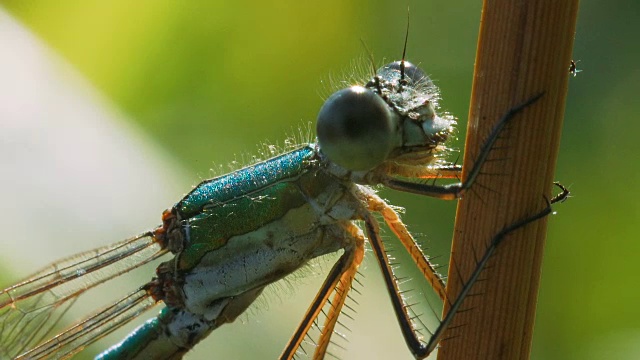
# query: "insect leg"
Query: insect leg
{"points": [[339, 280], [419, 348], [440, 171], [455, 191], [396, 225]]}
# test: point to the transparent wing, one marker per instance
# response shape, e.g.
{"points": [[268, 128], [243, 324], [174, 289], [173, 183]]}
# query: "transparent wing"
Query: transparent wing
{"points": [[30, 309], [92, 328]]}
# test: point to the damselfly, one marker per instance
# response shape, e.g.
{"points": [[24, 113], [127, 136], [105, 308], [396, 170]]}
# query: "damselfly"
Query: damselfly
{"points": [[233, 235]]}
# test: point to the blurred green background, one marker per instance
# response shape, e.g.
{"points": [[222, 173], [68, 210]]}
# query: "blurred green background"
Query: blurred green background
{"points": [[205, 82]]}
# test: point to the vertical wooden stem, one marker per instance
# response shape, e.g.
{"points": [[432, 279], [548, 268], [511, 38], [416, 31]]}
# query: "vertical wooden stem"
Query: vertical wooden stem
{"points": [[524, 48]]}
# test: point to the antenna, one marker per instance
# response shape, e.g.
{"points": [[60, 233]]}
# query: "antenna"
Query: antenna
{"points": [[404, 48]]}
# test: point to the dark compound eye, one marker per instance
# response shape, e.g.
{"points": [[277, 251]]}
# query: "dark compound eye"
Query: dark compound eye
{"points": [[356, 128]]}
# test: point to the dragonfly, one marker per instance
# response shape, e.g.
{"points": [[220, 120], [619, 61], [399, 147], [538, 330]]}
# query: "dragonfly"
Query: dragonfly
{"points": [[235, 234]]}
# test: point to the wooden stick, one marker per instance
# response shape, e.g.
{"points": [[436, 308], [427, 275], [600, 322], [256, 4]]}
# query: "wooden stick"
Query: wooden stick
{"points": [[524, 48]]}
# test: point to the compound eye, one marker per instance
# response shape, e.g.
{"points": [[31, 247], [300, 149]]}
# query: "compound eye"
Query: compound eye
{"points": [[356, 128], [412, 72]]}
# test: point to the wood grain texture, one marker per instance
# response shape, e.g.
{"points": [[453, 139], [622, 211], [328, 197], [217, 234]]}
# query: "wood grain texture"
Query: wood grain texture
{"points": [[524, 48]]}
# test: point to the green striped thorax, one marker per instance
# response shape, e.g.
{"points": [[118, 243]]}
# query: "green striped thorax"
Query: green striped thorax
{"points": [[239, 232]]}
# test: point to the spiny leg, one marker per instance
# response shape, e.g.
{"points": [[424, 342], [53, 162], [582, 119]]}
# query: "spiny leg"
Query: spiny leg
{"points": [[492, 246], [455, 191], [341, 292], [401, 309], [339, 280], [441, 171], [396, 225]]}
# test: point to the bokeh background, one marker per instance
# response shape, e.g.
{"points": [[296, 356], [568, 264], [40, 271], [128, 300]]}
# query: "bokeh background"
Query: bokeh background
{"points": [[111, 111]]}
